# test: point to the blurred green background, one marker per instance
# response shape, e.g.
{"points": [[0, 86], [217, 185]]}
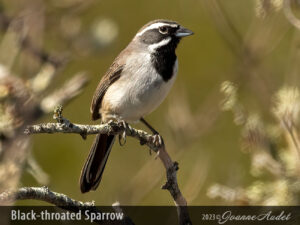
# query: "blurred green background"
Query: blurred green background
{"points": [[250, 43]]}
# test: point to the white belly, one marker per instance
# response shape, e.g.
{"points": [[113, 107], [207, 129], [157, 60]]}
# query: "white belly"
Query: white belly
{"points": [[136, 94]]}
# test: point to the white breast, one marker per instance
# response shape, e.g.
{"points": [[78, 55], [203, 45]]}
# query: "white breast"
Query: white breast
{"points": [[138, 92]]}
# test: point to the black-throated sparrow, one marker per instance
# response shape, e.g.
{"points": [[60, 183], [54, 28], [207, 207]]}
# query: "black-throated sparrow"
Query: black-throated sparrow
{"points": [[136, 83]]}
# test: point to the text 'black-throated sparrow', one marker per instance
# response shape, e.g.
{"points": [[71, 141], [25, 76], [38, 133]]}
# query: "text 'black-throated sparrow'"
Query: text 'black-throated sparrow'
{"points": [[135, 84]]}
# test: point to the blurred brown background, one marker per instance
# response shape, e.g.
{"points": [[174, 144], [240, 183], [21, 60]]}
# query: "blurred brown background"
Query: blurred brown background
{"points": [[243, 157]]}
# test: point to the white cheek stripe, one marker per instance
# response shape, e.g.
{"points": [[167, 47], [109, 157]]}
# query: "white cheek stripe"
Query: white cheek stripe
{"points": [[159, 44], [155, 26]]}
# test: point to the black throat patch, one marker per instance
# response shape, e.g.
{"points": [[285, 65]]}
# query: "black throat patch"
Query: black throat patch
{"points": [[164, 59]]}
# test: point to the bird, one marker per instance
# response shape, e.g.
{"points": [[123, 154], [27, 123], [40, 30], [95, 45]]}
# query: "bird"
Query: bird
{"points": [[135, 84]]}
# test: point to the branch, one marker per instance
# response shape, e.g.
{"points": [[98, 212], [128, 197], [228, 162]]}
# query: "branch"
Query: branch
{"points": [[114, 128], [58, 199], [65, 93], [43, 194]]}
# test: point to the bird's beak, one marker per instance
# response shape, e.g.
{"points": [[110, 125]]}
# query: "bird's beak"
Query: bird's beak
{"points": [[183, 32]]}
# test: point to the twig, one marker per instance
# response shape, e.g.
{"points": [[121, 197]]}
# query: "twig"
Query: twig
{"points": [[68, 91], [58, 199], [36, 171], [65, 126], [26, 44], [291, 131], [289, 14], [225, 26]]}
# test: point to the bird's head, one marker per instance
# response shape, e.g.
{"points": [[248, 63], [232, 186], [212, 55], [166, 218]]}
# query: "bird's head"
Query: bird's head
{"points": [[161, 34]]}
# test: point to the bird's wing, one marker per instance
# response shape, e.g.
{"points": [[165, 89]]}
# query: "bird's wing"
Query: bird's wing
{"points": [[113, 74]]}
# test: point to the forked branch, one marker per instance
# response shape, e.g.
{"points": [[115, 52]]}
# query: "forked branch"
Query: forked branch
{"points": [[114, 128]]}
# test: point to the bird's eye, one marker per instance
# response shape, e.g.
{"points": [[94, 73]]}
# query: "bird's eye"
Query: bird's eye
{"points": [[163, 30]]}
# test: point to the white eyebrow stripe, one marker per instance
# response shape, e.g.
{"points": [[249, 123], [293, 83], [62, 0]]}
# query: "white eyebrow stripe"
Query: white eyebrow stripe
{"points": [[154, 26], [159, 44]]}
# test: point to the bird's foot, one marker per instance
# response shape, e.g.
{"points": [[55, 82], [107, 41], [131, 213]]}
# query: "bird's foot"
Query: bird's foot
{"points": [[157, 140], [122, 136]]}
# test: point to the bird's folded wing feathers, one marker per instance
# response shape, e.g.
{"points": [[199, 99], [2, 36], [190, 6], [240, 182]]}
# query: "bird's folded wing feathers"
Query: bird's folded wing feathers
{"points": [[113, 74]]}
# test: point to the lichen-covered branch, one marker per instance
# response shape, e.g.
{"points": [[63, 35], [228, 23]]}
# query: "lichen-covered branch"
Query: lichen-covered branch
{"points": [[118, 128], [82, 129], [58, 199], [43, 194]]}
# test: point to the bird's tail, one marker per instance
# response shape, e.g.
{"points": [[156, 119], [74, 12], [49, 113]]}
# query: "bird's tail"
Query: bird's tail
{"points": [[94, 166]]}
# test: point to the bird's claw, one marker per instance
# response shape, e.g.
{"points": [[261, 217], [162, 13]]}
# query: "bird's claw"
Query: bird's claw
{"points": [[123, 124], [123, 135], [158, 140], [122, 138]]}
